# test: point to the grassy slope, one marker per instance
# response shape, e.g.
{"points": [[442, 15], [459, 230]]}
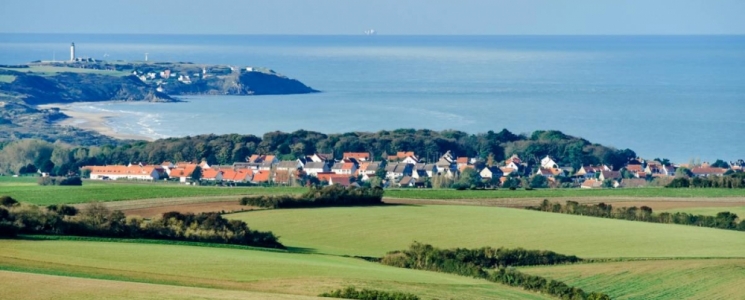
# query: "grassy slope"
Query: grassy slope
{"points": [[17, 285], [711, 211], [373, 231], [672, 279], [50, 70], [235, 269], [553, 193], [25, 190]]}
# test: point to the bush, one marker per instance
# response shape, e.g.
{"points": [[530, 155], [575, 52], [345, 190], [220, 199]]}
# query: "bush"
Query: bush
{"points": [[476, 262], [7, 201], [723, 220], [366, 294], [97, 220], [334, 195], [71, 181]]}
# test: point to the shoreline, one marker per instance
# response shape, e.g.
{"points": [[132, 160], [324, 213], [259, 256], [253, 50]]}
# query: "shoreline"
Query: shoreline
{"points": [[91, 121]]}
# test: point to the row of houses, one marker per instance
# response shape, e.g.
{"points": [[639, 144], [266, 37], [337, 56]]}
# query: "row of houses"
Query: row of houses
{"points": [[401, 169]]}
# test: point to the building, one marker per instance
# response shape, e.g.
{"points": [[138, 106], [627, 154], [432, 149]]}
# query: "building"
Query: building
{"points": [[72, 52], [358, 156], [314, 168], [131, 172]]}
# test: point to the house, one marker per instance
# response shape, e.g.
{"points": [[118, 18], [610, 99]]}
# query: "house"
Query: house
{"points": [[400, 155], [236, 175], [513, 159], [313, 168], [668, 171], [429, 169], [212, 175], [246, 165], [708, 171], [613, 175], [491, 172], [407, 181], [289, 165], [132, 172], [368, 169], [343, 180], [549, 172], [260, 177], [461, 161], [507, 171], [398, 170], [549, 163], [358, 156], [633, 183], [346, 168], [325, 176], [322, 157], [592, 184], [257, 159]]}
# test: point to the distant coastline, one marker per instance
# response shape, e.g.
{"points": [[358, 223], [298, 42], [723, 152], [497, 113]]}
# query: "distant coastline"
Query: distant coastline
{"points": [[92, 121]]}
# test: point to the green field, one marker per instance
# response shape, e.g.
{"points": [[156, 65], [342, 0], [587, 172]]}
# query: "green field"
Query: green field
{"points": [[7, 78], [711, 211], [554, 193], [373, 231], [50, 70], [235, 269], [17, 286], [669, 279], [27, 190]]}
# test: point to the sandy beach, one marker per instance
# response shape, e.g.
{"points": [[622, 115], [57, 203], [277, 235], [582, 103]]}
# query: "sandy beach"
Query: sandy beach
{"points": [[92, 121]]}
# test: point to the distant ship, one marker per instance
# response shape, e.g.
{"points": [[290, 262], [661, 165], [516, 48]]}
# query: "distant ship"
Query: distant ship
{"points": [[371, 32]]}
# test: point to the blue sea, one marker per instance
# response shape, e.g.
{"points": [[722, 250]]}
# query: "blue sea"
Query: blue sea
{"points": [[678, 97]]}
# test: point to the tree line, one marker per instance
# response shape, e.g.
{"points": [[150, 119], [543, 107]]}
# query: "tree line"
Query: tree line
{"points": [[723, 220], [332, 195], [28, 156], [97, 220], [495, 265], [368, 294], [730, 181]]}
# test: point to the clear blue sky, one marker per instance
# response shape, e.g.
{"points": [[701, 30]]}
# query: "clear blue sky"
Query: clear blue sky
{"points": [[385, 16]]}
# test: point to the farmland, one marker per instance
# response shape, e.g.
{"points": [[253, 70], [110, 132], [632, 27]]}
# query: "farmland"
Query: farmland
{"points": [[234, 269], [563, 193], [711, 211], [632, 259], [666, 279], [373, 231], [26, 190]]}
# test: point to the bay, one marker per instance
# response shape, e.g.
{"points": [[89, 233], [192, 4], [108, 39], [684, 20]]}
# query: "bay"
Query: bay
{"points": [[679, 97]]}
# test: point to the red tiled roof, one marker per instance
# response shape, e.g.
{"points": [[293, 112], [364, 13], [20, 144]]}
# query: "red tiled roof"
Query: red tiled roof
{"points": [[462, 160], [358, 155]]}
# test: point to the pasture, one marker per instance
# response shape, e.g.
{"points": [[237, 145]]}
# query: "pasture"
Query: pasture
{"points": [[373, 231], [711, 211], [51, 70], [26, 190], [234, 269], [650, 192], [18, 285], [664, 279]]}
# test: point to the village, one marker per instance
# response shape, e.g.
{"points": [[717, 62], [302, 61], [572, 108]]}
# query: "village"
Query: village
{"points": [[407, 170]]}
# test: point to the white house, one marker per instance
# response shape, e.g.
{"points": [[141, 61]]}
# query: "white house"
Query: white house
{"points": [[313, 168], [548, 163], [132, 172]]}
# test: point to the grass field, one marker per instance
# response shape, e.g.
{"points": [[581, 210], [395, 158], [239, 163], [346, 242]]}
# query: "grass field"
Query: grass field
{"points": [[235, 269], [669, 279], [49, 70], [16, 285], [711, 211], [25, 190], [7, 78], [555, 193], [373, 231]]}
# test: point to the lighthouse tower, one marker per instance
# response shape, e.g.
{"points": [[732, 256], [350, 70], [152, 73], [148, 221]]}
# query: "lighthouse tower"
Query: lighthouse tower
{"points": [[72, 52]]}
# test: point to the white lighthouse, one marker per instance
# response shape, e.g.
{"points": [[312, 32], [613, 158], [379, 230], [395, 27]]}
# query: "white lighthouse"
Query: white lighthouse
{"points": [[72, 52]]}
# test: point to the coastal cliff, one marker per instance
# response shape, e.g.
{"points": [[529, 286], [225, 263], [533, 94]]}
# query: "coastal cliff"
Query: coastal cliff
{"points": [[24, 87]]}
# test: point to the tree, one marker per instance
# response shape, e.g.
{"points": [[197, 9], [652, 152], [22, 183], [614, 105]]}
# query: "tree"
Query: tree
{"points": [[608, 183], [538, 181], [7, 201], [720, 164], [469, 178], [196, 175]]}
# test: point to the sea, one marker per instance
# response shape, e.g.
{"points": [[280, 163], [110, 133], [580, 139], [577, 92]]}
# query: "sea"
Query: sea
{"points": [[675, 97]]}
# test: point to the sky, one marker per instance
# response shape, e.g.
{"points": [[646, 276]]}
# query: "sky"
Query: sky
{"points": [[396, 17]]}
